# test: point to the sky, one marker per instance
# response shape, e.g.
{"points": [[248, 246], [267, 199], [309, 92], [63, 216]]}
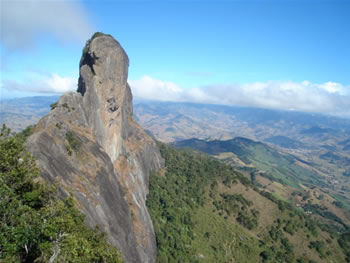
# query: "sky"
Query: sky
{"points": [[279, 54]]}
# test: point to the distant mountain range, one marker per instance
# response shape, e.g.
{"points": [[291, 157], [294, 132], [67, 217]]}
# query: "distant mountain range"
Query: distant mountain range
{"points": [[320, 141], [174, 121], [314, 137], [22, 112], [170, 121]]}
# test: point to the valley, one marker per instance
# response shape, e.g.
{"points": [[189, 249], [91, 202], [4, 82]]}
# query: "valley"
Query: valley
{"points": [[301, 158]]}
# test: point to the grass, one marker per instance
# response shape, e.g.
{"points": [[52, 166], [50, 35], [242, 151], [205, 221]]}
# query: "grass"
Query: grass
{"points": [[225, 241], [280, 167]]}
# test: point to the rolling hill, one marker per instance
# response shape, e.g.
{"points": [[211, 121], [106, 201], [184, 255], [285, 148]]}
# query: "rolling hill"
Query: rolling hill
{"points": [[281, 167], [286, 176]]}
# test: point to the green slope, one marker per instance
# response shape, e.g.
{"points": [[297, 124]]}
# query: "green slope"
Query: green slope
{"points": [[279, 167], [205, 211]]}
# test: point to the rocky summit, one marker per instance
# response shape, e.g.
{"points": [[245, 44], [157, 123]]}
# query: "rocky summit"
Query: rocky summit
{"points": [[91, 146]]}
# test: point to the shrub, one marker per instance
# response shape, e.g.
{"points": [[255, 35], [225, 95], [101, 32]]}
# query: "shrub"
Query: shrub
{"points": [[73, 141], [53, 105]]}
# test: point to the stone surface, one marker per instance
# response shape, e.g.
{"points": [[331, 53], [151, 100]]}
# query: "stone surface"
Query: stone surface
{"points": [[91, 145]]}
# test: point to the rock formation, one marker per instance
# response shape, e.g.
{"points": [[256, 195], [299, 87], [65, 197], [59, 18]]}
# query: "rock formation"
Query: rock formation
{"points": [[93, 148]]}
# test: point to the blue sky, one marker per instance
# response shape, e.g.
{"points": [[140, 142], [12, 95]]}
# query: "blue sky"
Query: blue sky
{"points": [[272, 54]]}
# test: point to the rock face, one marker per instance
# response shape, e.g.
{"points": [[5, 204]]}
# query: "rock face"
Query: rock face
{"points": [[91, 145]]}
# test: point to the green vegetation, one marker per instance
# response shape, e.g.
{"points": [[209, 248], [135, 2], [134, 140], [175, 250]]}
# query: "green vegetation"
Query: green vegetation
{"points": [[205, 211], [36, 226], [174, 198], [74, 142], [285, 174], [87, 45], [344, 242], [319, 246], [341, 198], [323, 211], [338, 204], [236, 204], [53, 105], [278, 167]]}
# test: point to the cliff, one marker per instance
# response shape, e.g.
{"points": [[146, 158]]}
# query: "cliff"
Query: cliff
{"points": [[93, 148]]}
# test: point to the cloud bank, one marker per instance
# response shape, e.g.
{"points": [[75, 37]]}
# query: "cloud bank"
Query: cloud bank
{"points": [[42, 84], [328, 98], [22, 22]]}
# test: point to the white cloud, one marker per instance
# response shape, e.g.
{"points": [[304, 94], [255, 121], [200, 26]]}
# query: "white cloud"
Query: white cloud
{"points": [[41, 84], [22, 21], [333, 87], [149, 88], [58, 84], [329, 97]]}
